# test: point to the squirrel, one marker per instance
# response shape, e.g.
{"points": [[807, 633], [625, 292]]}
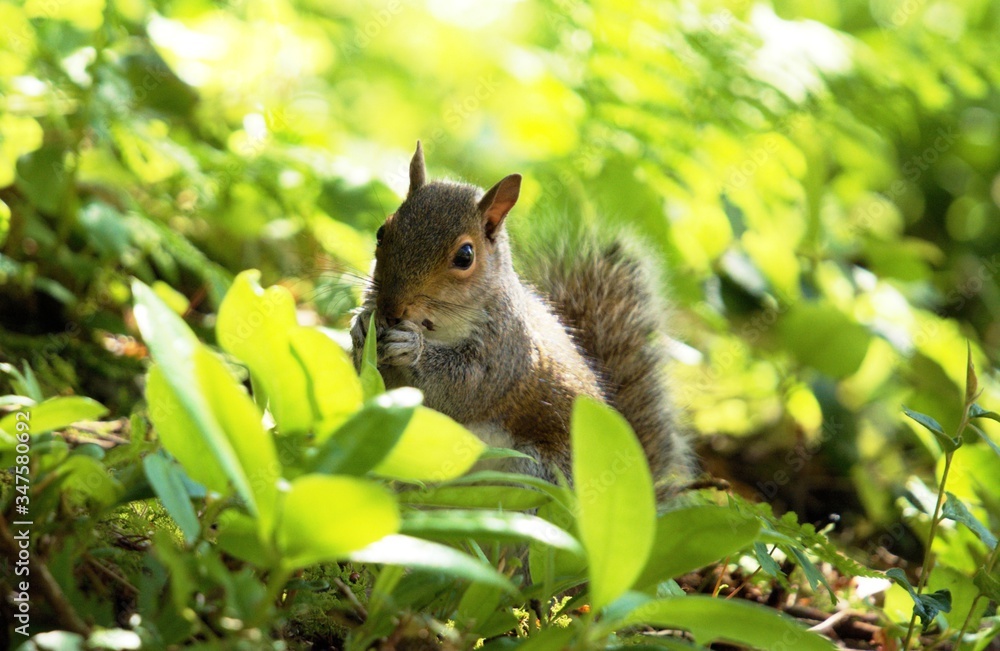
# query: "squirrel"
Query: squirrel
{"points": [[505, 358]]}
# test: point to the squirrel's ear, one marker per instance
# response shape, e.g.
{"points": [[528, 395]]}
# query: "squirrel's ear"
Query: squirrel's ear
{"points": [[498, 201], [418, 172]]}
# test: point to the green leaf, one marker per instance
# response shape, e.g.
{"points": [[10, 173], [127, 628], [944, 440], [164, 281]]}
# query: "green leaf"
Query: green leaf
{"points": [[238, 536], [254, 325], [202, 416], [455, 525], [433, 447], [369, 435], [617, 508], [947, 443], [988, 584], [241, 422], [334, 387], [813, 573], [955, 509], [925, 606], [371, 380], [690, 538], [326, 518], [53, 414], [766, 561], [183, 435], [416, 553], [735, 621], [975, 411], [168, 484]]}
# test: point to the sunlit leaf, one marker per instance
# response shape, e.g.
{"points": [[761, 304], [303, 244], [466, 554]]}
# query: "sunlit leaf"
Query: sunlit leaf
{"points": [[690, 538], [333, 383], [371, 379], [53, 414], [327, 518], [735, 621], [422, 554], [254, 325], [617, 510], [433, 447], [367, 437], [506, 527]]}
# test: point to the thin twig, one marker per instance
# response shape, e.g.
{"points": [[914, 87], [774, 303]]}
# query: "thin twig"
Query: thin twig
{"points": [[352, 598]]}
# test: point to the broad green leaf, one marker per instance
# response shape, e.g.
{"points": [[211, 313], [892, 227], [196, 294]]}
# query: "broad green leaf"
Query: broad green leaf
{"points": [[178, 407], [168, 484], [693, 537], [508, 498], [327, 518], [368, 436], [433, 447], [617, 508], [254, 324], [333, 384], [955, 509], [458, 525], [239, 537], [417, 553], [371, 379], [182, 435], [172, 298], [925, 606], [735, 621], [947, 443], [53, 414], [241, 422]]}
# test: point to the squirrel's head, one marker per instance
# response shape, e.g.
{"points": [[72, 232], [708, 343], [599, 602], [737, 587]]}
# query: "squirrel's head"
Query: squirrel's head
{"points": [[441, 256]]}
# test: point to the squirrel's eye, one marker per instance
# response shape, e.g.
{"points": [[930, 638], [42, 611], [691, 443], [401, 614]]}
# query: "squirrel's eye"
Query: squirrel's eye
{"points": [[464, 256], [378, 235]]}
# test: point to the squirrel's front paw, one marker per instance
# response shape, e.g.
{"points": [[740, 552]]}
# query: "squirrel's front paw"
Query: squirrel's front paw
{"points": [[359, 330], [401, 345]]}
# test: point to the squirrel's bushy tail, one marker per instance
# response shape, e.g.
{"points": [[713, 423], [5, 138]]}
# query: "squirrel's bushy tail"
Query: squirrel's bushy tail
{"points": [[606, 295]]}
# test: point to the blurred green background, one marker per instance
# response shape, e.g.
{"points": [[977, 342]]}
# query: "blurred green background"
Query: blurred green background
{"points": [[820, 181]]}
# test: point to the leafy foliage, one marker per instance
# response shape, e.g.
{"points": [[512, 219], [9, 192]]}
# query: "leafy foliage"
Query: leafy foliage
{"points": [[819, 181]]}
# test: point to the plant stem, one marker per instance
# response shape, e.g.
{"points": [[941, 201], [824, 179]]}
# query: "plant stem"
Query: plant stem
{"points": [[987, 567], [935, 519], [275, 586]]}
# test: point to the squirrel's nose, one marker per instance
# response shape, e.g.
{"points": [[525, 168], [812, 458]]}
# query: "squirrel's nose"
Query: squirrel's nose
{"points": [[391, 315]]}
